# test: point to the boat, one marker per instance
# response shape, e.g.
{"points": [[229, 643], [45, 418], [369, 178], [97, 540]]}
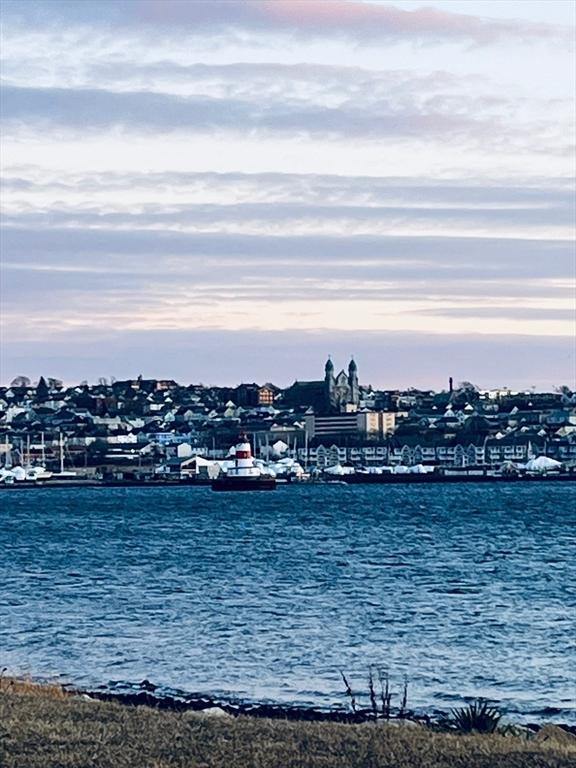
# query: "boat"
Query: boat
{"points": [[244, 474]]}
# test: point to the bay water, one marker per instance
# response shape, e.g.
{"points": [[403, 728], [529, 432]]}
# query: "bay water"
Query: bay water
{"points": [[467, 590]]}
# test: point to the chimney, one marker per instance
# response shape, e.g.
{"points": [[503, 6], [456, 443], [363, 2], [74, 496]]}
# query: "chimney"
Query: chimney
{"points": [[451, 385]]}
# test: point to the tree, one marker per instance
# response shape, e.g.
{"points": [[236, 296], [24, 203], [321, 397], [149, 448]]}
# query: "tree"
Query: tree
{"points": [[465, 392], [567, 396], [467, 386], [21, 381]]}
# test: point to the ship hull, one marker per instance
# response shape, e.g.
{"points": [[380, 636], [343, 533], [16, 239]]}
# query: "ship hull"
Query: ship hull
{"points": [[244, 484]]}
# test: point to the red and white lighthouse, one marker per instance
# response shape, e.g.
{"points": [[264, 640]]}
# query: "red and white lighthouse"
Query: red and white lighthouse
{"points": [[245, 474], [243, 452]]}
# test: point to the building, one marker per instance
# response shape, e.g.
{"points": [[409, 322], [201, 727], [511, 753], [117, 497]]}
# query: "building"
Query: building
{"points": [[342, 391], [252, 395], [337, 393], [366, 425]]}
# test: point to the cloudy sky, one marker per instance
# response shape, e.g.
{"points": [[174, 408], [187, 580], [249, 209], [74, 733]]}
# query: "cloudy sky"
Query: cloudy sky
{"points": [[230, 190]]}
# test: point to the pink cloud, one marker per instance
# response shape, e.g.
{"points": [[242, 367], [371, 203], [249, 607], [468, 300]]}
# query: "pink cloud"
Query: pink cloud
{"points": [[352, 18]]}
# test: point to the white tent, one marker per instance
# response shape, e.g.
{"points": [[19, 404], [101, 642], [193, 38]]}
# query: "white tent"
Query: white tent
{"points": [[197, 465], [19, 473], [6, 475], [287, 466], [542, 464], [338, 469]]}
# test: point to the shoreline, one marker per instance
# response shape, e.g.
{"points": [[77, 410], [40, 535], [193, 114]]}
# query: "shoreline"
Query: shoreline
{"points": [[148, 694], [349, 480], [170, 699], [176, 700]]}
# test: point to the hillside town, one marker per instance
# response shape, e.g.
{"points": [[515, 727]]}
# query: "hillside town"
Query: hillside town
{"points": [[153, 428]]}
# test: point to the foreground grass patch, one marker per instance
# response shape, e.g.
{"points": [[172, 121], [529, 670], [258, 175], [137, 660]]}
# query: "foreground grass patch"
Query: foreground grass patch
{"points": [[46, 728]]}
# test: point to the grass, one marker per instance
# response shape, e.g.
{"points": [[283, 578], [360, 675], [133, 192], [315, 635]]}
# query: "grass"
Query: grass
{"points": [[24, 685], [45, 727]]}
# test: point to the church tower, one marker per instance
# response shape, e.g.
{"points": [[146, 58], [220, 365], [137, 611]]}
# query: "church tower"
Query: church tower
{"points": [[353, 382]]}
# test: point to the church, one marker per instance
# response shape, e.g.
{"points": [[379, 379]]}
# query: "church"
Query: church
{"points": [[337, 393]]}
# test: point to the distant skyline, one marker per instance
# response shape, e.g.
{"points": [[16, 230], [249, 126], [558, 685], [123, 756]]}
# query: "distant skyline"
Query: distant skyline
{"points": [[231, 191]]}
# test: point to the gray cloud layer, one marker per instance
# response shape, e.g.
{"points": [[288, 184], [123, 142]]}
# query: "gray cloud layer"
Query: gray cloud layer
{"points": [[265, 215], [90, 110], [317, 189], [50, 271], [70, 256], [359, 21], [473, 256]]}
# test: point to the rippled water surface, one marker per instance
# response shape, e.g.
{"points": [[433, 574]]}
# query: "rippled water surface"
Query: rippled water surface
{"points": [[468, 590]]}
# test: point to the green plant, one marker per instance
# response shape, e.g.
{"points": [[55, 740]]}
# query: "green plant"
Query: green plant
{"points": [[478, 717]]}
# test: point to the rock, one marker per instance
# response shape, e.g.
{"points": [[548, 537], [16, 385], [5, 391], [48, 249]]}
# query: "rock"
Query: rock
{"points": [[401, 722], [515, 731], [213, 712], [554, 733]]}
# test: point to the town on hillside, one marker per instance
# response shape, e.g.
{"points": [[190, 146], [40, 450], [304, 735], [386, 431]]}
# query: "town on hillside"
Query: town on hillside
{"points": [[142, 428]]}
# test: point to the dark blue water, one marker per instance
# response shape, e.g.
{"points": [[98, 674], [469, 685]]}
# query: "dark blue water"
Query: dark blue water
{"points": [[468, 590]]}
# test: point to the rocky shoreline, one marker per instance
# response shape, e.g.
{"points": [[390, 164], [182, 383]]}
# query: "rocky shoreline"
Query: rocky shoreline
{"points": [[147, 694]]}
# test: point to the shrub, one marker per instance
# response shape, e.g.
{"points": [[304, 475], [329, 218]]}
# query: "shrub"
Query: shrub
{"points": [[478, 717], [378, 709]]}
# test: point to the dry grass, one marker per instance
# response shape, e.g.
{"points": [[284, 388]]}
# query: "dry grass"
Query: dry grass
{"points": [[26, 685], [42, 727]]}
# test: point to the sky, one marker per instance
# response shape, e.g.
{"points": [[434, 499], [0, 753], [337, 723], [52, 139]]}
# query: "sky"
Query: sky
{"points": [[233, 190]]}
